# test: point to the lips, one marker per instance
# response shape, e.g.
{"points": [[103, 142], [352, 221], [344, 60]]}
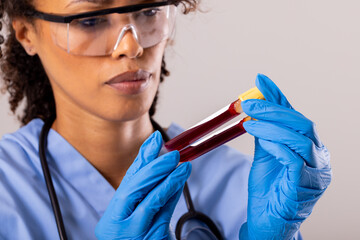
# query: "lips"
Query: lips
{"points": [[130, 76], [131, 82]]}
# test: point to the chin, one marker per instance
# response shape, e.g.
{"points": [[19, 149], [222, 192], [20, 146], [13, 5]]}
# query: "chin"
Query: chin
{"points": [[126, 112]]}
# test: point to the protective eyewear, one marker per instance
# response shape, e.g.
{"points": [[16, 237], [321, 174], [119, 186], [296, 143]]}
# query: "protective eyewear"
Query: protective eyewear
{"points": [[99, 33]]}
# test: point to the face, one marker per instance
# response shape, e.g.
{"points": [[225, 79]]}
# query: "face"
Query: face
{"points": [[100, 86]]}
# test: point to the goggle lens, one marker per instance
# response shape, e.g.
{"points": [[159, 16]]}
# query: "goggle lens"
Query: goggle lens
{"points": [[97, 36]]}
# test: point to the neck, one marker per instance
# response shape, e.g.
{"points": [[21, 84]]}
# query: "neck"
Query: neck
{"points": [[110, 146]]}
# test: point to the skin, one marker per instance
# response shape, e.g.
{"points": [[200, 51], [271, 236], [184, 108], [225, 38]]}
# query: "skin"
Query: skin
{"points": [[105, 126]]}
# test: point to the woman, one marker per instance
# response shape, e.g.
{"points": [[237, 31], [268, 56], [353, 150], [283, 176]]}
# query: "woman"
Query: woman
{"points": [[90, 69]]}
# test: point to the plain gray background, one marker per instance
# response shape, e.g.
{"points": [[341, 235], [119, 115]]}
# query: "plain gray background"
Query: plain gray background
{"points": [[311, 51]]}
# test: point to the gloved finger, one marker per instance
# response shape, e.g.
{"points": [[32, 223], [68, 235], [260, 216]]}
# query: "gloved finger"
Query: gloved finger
{"points": [[300, 187], [163, 217], [244, 232], [264, 110], [285, 156], [149, 150], [145, 212], [297, 142], [263, 172], [270, 91], [129, 194]]}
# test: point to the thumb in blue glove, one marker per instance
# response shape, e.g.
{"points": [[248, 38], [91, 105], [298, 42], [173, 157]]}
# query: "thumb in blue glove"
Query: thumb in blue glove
{"points": [[146, 198], [291, 168]]}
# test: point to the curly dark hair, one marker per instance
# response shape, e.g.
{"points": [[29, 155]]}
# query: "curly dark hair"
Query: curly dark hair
{"points": [[24, 76]]}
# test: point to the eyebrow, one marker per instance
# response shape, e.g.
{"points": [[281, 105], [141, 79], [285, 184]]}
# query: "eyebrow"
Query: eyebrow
{"points": [[100, 2], [90, 1]]}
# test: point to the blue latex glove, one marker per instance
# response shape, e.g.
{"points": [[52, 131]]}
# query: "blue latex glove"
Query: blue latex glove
{"points": [[145, 200], [291, 167]]}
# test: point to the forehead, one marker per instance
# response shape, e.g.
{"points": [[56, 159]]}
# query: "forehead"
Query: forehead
{"points": [[74, 2], [68, 6]]}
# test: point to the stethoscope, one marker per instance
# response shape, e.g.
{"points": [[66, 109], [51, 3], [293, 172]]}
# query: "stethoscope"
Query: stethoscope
{"points": [[192, 214]]}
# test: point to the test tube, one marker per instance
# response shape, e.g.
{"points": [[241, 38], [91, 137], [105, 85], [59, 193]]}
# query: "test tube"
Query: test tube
{"points": [[204, 127], [194, 151], [190, 136]]}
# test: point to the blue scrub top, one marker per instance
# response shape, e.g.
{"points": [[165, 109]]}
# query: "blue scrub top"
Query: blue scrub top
{"points": [[218, 186]]}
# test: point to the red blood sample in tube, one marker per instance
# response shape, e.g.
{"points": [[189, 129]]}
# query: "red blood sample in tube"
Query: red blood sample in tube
{"points": [[192, 152], [195, 133]]}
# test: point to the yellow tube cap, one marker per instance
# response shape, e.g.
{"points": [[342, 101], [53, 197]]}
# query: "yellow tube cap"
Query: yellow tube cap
{"points": [[253, 93]]}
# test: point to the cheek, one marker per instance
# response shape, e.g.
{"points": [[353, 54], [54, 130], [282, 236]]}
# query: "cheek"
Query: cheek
{"points": [[62, 68]]}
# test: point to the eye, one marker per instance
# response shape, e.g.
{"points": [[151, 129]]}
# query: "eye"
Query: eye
{"points": [[151, 12], [90, 22]]}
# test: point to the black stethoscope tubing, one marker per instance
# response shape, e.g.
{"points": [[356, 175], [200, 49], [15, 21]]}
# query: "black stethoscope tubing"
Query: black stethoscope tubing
{"points": [[49, 184], [191, 214]]}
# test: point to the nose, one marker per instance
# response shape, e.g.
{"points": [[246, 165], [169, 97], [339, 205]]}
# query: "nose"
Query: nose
{"points": [[127, 44]]}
